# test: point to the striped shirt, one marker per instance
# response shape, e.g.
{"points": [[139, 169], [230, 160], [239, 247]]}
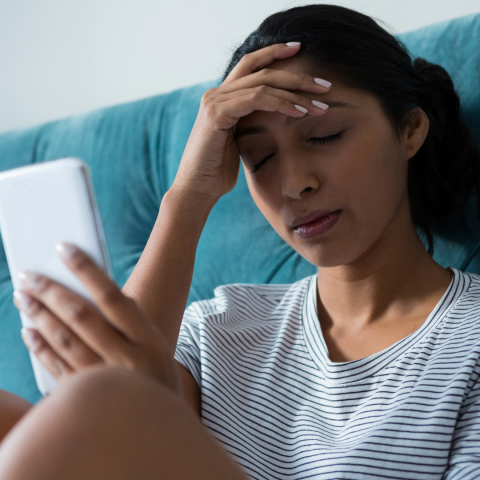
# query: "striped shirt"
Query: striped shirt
{"points": [[275, 401]]}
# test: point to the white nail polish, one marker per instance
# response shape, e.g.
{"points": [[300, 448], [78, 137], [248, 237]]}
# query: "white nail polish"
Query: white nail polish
{"points": [[321, 105], [23, 299], [302, 109], [31, 338], [67, 250], [29, 279], [323, 82], [293, 44]]}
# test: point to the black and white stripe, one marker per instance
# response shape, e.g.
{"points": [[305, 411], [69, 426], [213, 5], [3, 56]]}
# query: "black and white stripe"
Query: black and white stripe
{"points": [[277, 403]]}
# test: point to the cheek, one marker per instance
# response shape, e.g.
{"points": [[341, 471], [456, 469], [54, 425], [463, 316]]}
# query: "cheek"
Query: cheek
{"points": [[267, 197], [374, 186], [262, 194]]}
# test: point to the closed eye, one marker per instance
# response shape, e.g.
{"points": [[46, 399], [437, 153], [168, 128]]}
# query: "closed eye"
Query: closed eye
{"points": [[316, 140]]}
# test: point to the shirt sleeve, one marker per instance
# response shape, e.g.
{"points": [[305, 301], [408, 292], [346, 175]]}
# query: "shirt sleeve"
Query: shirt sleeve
{"points": [[464, 461], [188, 351]]}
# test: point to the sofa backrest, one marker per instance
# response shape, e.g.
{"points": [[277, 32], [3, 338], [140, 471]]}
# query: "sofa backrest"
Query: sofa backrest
{"points": [[134, 151]]}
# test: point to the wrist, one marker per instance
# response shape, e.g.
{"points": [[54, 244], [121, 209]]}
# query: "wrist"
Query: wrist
{"points": [[183, 215], [186, 198]]}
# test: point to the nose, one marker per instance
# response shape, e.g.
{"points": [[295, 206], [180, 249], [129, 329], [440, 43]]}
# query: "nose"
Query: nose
{"points": [[297, 178]]}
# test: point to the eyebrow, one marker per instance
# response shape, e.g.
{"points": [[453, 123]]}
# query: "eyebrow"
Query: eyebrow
{"points": [[289, 120]]}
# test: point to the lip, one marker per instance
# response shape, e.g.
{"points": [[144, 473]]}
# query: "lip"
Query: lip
{"points": [[316, 223], [311, 217]]}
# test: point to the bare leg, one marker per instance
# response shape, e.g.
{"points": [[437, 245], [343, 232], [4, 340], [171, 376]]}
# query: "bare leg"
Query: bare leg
{"points": [[108, 422], [12, 409]]}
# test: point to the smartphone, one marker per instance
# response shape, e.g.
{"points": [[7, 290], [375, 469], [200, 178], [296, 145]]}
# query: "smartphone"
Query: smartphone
{"points": [[41, 205]]}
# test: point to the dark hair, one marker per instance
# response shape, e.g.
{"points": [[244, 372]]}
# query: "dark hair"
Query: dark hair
{"points": [[352, 48]]}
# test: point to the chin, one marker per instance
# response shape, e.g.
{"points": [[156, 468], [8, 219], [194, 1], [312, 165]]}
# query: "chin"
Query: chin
{"points": [[331, 253], [321, 254], [323, 259], [335, 253]]}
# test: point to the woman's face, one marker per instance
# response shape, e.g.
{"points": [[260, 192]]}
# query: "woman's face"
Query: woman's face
{"points": [[363, 172]]}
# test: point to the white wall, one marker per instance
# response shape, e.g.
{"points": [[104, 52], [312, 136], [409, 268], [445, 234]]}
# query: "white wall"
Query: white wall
{"points": [[61, 57]]}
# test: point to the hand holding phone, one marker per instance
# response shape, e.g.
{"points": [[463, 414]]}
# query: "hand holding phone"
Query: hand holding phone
{"points": [[74, 333]]}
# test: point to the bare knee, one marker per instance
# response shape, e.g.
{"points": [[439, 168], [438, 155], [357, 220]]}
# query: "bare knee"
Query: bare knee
{"points": [[96, 414], [105, 399]]}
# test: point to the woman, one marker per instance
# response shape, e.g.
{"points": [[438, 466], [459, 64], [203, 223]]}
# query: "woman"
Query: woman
{"points": [[368, 369]]}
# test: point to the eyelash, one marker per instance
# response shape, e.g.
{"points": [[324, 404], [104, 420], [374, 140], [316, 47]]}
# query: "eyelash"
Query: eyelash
{"points": [[320, 140]]}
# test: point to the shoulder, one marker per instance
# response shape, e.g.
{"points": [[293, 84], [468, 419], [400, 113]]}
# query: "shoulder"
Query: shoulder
{"points": [[238, 302], [462, 319], [467, 291]]}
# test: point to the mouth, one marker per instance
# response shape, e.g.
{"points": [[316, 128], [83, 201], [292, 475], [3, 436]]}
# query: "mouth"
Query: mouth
{"points": [[315, 223]]}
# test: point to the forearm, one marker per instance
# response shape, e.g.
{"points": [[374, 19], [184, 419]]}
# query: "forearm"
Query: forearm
{"points": [[160, 282]]}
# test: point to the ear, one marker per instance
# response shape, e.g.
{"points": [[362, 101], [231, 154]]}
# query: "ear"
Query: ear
{"points": [[415, 132]]}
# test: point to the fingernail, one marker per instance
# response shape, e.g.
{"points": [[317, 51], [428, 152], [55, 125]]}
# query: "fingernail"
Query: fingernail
{"points": [[24, 299], [31, 338], [29, 279], [321, 105], [293, 44], [322, 82], [302, 109], [66, 250]]}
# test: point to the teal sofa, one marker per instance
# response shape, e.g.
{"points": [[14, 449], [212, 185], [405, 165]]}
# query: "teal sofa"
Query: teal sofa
{"points": [[134, 151]]}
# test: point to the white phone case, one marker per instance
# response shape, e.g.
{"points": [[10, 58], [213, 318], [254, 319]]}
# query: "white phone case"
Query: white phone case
{"points": [[41, 205]]}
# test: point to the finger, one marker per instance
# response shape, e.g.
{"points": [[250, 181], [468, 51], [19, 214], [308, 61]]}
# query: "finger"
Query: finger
{"points": [[295, 99], [57, 366], [54, 301], [120, 310], [283, 79], [59, 336], [228, 113], [251, 62]]}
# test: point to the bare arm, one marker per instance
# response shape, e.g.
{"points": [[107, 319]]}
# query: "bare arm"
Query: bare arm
{"points": [[162, 297], [161, 280]]}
